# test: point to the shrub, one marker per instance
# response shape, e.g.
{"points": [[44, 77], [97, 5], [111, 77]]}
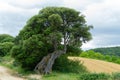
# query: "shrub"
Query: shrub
{"points": [[29, 53], [63, 64], [6, 38], [5, 48], [73, 51], [1, 59], [116, 76], [94, 76]]}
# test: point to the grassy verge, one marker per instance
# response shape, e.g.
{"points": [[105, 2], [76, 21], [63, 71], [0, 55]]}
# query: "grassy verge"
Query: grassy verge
{"points": [[82, 76], [7, 61], [60, 76], [68, 70]]}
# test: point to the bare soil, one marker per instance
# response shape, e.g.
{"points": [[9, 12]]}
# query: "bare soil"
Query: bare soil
{"points": [[6, 74]]}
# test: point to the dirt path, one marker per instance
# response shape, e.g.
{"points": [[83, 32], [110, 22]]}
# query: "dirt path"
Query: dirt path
{"points": [[6, 74], [98, 66]]}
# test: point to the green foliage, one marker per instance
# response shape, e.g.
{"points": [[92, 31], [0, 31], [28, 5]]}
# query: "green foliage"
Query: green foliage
{"points": [[99, 76], [5, 48], [6, 43], [108, 50], [96, 55], [94, 76], [81, 76], [60, 76], [116, 76], [6, 38], [1, 59], [73, 51], [30, 53], [63, 64], [44, 32], [92, 54]]}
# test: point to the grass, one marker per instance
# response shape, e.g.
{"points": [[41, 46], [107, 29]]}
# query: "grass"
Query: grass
{"points": [[61, 76], [7, 61], [82, 76], [69, 70], [95, 76]]}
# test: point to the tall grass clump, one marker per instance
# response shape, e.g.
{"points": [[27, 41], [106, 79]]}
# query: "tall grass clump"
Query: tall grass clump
{"points": [[116, 76], [94, 76]]}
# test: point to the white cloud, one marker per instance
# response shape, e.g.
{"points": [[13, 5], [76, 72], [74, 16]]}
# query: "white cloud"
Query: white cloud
{"points": [[88, 45], [30, 4], [102, 40], [5, 7], [105, 17], [105, 13], [79, 4], [3, 31]]}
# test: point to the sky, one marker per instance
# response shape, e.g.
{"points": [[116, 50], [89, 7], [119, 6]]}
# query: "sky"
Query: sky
{"points": [[104, 15]]}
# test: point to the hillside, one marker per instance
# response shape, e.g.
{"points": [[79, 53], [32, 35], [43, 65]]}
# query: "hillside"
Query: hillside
{"points": [[98, 66], [108, 50]]}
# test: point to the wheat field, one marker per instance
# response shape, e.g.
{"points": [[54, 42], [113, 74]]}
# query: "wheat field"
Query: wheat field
{"points": [[98, 66]]}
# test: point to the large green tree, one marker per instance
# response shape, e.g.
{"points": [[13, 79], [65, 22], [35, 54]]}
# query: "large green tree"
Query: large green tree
{"points": [[47, 35]]}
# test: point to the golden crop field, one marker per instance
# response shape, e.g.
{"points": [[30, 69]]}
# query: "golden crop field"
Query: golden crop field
{"points": [[98, 66]]}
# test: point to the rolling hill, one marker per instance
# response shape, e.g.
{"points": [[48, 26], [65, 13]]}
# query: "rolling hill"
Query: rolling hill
{"points": [[108, 50], [98, 66]]}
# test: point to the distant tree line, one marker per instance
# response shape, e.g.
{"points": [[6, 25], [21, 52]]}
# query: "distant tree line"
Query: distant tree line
{"points": [[100, 56], [108, 50]]}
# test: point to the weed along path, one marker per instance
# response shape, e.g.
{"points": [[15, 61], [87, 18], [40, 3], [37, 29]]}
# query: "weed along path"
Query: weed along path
{"points": [[6, 74], [98, 66]]}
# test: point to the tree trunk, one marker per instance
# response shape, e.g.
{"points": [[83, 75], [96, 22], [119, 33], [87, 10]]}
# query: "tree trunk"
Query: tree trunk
{"points": [[45, 65]]}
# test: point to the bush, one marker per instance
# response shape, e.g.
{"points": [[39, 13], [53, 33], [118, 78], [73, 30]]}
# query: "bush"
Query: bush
{"points": [[29, 53], [6, 43], [63, 64], [5, 48], [116, 76], [1, 59], [73, 51], [6, 38], [94, 76]]}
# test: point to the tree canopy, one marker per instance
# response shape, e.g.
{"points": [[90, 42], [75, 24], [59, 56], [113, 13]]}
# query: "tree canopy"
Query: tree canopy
{"points": [[108, 50], [47, 35], [6, 38]]}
